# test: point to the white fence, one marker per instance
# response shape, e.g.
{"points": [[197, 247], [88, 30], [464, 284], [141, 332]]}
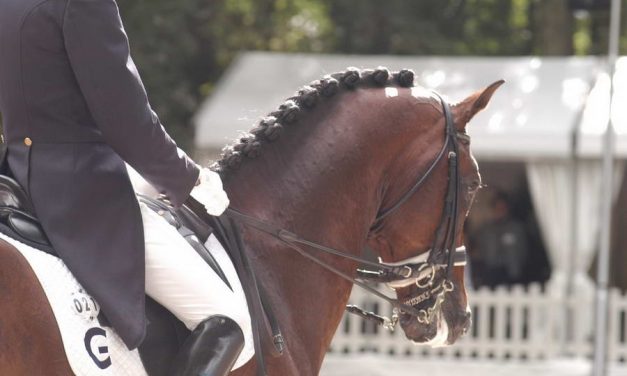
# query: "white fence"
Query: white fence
{"points": [[508, 323]]}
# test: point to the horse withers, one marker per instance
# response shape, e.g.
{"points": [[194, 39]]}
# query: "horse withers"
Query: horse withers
{"points": [[325, 166]]}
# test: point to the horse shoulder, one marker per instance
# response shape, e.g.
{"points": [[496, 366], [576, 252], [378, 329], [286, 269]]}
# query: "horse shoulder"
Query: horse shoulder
{"points": [[31, 343]]}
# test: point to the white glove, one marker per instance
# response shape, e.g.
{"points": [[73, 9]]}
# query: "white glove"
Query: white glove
{"points": [[210, 193]]}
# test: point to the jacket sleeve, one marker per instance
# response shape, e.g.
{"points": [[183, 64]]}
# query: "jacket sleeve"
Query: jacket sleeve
{"points": [[98, 50]]}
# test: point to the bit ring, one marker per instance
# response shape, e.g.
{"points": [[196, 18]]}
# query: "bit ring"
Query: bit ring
{"points": [[429, 279]]}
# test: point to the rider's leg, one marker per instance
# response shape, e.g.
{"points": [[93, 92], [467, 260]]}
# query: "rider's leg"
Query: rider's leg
{"points": [[179, 279]]}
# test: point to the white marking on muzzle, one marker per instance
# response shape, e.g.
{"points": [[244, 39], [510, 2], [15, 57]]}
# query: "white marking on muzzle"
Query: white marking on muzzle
{"points": [[441, 336]]}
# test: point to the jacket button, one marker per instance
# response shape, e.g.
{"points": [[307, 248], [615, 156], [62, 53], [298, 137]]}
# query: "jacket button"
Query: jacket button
{"points": [[28, 141]]}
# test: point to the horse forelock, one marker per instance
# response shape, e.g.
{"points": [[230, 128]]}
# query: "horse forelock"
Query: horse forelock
{"points": [[269, 128]]}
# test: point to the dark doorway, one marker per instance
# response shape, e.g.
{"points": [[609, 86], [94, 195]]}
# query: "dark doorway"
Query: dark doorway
{"points": [[502, 233]]}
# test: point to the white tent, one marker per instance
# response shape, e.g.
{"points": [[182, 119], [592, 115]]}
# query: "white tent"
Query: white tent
{"points": [[532, 116]]}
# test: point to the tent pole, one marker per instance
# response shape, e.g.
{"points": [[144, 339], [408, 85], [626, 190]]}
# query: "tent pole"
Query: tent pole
{"points": [[569, 314], [599, 366]]}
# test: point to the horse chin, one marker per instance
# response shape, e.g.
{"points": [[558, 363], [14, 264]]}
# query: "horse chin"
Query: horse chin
{"points": [[437, 334], [441, 335], [434, 335]]}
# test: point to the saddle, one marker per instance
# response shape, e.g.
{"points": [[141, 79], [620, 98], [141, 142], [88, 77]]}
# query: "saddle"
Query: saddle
{"points": [[17, 216]]}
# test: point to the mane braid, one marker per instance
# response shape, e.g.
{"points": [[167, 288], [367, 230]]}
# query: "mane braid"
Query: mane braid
{"points": [[269, 128]]}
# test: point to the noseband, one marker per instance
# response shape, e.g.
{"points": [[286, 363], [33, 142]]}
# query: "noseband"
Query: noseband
{"points": [[422, 271]]}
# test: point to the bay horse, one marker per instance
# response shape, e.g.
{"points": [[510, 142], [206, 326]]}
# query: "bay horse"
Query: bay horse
{"points": [[325, 165]]}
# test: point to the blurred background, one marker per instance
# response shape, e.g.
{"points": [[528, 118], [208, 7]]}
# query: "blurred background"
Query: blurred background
{"points": [[184, 47], [213, 67]]}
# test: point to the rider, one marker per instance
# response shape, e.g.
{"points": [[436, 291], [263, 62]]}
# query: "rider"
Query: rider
{"points": [[74, 110]]}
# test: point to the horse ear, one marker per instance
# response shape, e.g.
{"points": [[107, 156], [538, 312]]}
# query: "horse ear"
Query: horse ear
{"points": [[469, 107]]}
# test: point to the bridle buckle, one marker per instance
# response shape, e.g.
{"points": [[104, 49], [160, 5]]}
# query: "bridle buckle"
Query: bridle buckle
{"points": [[429, 278], [409, 270]]}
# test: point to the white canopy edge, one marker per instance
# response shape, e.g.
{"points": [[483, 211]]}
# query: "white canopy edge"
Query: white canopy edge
{"points": [[533, 116]]}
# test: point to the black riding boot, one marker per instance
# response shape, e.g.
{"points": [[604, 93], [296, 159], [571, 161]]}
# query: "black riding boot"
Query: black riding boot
{"points": [[211, 349]]}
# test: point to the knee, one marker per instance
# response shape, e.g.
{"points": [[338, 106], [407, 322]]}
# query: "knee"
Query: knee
{"points": [[241, 317], [222, 325], [229, 308]]}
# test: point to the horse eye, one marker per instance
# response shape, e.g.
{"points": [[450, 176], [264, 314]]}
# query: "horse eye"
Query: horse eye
{"points": [[463, 138]]}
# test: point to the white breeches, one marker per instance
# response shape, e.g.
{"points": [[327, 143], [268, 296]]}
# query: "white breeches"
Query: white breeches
{"points": [[180, 280]]}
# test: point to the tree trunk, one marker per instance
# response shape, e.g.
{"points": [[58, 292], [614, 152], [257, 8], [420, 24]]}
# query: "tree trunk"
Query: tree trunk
{"points": [[553, 24]]}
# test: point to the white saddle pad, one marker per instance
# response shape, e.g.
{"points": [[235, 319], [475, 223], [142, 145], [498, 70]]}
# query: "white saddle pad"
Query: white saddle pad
{"points": [[90, 348]]}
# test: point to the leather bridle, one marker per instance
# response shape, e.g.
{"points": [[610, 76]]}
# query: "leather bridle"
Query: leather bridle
{"points": [[421, 270], [440, 255]]}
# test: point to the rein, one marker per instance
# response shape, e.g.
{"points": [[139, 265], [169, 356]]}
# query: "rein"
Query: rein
{"points": [[387, 273]]}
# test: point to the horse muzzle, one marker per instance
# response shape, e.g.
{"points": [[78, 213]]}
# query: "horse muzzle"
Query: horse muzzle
{"points": [[445, 327]]}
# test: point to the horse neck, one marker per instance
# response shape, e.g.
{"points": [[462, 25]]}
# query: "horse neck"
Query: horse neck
{"points": [[323, 183], [321, 179], [324, 180]]}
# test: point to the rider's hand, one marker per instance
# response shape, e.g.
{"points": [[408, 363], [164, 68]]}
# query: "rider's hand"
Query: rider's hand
{"points": [[209, 192]]}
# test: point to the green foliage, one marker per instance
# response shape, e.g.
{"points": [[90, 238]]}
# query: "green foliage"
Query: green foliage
{"points": [[444, 27], [182, 47]]}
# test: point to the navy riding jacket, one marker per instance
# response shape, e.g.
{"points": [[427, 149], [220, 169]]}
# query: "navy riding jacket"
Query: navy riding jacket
{"points": [[74, 109]]}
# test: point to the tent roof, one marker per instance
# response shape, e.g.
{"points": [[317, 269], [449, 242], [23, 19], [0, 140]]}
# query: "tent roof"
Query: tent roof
{"points": [[531, 116]]}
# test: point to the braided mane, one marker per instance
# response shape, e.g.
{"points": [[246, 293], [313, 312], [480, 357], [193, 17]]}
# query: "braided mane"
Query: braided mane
{"points": [[270, 127]]}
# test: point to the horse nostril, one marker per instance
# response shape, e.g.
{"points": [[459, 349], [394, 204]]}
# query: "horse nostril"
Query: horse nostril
{"points": [[406, 320]]}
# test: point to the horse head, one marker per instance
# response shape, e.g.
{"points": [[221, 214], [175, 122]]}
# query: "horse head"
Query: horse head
{"points": [[420, 224]]}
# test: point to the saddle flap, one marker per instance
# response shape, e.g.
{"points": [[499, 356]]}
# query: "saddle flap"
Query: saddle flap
{"points": [[12, 195], [17, 216], [27, 227]]}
